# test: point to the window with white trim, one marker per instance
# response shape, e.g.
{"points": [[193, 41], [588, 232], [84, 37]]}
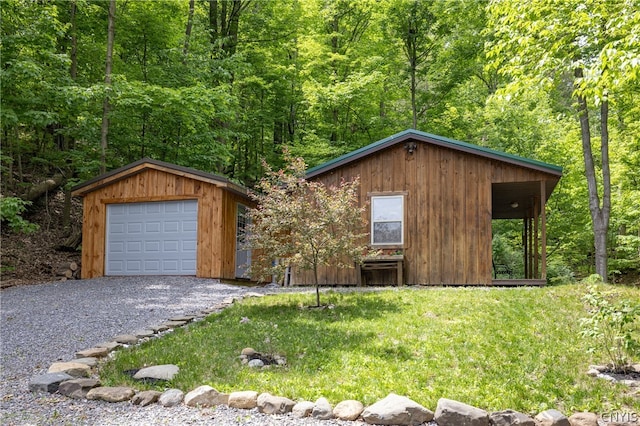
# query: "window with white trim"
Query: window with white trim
{"points": [[387, 220]]}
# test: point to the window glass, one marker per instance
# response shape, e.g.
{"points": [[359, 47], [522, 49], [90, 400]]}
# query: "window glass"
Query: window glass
{"points": [[387, 219]]}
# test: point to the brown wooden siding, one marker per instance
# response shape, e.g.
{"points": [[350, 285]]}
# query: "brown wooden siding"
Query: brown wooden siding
{"points": [[216, 218], [447, 210]]}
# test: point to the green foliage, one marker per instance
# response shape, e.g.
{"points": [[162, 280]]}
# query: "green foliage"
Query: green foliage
{"points": [[11, 209], [613, 326], [325, 78], [491, 348]]}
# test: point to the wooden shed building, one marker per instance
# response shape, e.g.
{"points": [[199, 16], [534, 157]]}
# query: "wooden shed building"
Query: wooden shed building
{"points": [[156, 218], [430, 205]]}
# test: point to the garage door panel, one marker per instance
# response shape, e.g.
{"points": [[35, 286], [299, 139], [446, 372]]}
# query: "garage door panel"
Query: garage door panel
{"points": [[160, 238]]}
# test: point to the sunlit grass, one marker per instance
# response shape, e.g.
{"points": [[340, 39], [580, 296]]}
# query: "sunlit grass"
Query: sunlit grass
{"points": [[492, 348]]}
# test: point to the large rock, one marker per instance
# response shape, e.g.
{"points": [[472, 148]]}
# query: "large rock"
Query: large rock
{"points": [[396, 410], [77, 388], [348, 410], [245, 400], [93, 353], [111, 394], [510, 418], [157, 372], [75, 369], [454, 413], [171, 398], [552, 418], [322, 409], [145, 398], [302, 409], [269, 404], [205, 396], [48, 382], [583, 419]]}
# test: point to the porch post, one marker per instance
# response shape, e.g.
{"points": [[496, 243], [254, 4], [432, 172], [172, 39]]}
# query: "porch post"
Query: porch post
{"points": [[543, 231], [525, 245], [536, 206]]}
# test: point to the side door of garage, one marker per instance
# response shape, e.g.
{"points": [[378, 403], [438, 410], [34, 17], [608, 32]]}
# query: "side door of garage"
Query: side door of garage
{"points": [[152, 238]]}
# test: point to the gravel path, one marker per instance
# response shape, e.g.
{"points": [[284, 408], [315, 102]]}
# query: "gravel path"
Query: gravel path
{"points": [[42, 324]]}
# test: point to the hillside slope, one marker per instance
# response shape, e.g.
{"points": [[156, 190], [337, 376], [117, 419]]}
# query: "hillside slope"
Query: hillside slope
{"points": [[33, 258]]}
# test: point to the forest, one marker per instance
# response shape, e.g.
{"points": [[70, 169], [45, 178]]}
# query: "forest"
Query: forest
{"points": [[219, 85]]}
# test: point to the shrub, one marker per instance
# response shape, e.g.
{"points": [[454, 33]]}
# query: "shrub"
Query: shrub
{"points": [[11, 209], [612, 326]]}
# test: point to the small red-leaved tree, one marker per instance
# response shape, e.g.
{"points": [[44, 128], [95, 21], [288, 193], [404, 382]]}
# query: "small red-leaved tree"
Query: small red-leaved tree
{"points": [[303, 224]]}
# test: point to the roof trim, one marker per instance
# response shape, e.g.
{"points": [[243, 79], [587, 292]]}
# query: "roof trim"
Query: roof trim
{"points": [[435, 140], [139, 166]]}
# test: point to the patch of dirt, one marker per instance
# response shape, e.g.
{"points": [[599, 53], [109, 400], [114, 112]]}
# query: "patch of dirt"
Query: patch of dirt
{"points": [[33, 258]]}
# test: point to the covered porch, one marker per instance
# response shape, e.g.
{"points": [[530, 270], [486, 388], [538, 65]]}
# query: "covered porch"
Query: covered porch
{"points": [[524, 201]]}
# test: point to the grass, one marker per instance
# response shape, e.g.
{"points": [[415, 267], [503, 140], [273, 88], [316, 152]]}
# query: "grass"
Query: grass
{"points": [[493, 348]]}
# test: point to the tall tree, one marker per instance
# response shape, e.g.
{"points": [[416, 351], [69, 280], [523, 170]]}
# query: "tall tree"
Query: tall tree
{"points": [[590, 45], [104, 129]]}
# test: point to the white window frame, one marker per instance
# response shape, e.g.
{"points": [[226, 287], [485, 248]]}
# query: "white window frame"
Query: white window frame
{"points": [[400, 197]]}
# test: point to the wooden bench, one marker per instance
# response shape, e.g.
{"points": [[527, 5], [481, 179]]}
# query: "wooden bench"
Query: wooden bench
{"points": [[379, 263]]}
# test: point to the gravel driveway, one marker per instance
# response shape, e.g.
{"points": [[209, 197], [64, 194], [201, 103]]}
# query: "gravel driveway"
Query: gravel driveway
{"points": [[41, 324]]}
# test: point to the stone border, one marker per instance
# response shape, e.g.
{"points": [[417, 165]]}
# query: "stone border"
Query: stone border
{"points": [[73, 379]]}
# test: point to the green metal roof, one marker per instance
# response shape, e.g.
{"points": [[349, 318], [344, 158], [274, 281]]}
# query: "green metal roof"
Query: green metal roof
{"points": [[417, 135]]}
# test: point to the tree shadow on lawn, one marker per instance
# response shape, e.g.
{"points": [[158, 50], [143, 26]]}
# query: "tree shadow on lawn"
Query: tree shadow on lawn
{"points": [[312, 340]]}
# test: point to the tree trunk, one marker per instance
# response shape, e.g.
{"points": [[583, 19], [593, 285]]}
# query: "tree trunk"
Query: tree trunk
{"points": [[104, 131], [599, 214], [187, 32], [37, 191]]}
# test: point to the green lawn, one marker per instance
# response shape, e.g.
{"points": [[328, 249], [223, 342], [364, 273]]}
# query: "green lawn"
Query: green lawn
{"points": [[493, 348]]}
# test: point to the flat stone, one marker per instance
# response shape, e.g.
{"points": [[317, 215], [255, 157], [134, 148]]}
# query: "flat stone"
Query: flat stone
{"points": [[348, 410], [510, 418], [48, 382], [126, 339], [111, 394], [253, 294], [322, 410], [75, 369], [111, 346], [174, 324], [454, 413], [145, 398], [93, 353], [396, 410], [269, 404], [552, 418], [204, 397], [78, 388], [157, 372], [182, 318], [142, 334], [90, 361], [583, 419], [159, 328], [302, 409], [245, 400], [171, 398]]}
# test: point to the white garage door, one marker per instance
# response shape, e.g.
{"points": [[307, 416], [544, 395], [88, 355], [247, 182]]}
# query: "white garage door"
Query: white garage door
{"points": [[157, 238]]}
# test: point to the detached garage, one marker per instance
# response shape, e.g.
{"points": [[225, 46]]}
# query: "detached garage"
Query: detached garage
{"points": [[156, 218]]}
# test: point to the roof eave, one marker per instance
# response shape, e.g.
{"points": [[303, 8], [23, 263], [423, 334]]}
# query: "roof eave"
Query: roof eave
{"points": [[435, 140], [139, 166]]}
